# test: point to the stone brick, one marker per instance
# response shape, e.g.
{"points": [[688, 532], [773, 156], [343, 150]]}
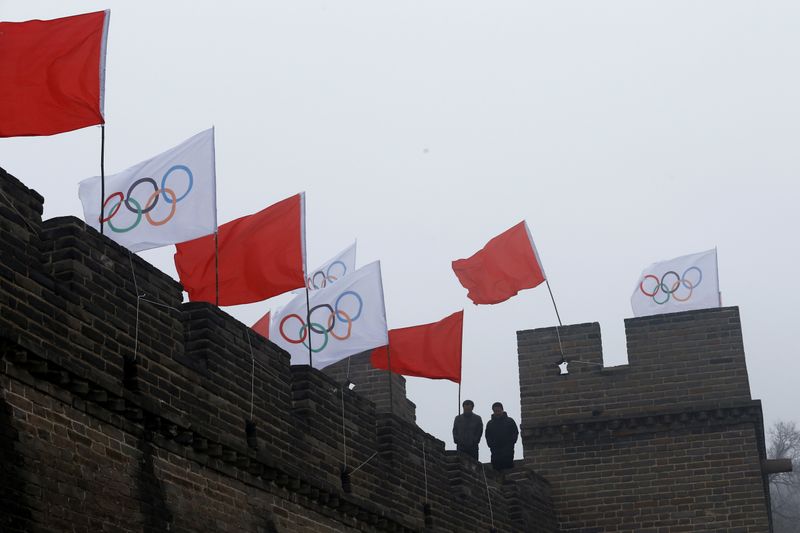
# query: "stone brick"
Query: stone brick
{"points": [[672, 441], [123, 409]]}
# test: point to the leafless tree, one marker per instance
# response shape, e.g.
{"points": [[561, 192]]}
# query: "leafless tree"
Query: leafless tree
{"points": [[784, 443]]}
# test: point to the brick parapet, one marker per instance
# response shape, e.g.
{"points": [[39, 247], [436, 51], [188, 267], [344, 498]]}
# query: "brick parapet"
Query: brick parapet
{"points": [[676, 359], [101, 331], [671, 440], [373, 384]]}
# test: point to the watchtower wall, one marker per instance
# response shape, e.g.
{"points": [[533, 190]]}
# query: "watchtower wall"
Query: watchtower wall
{"points": [[670, 440]]}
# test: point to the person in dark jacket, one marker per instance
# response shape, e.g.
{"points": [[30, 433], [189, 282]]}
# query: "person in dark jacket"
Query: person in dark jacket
{"points": [[467, 430], [501, 435]]}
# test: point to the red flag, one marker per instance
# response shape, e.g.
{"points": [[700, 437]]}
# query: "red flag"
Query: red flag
{"points": [[260, 256], [262, 326], [428, 351], [506, 265], [52, 74]]}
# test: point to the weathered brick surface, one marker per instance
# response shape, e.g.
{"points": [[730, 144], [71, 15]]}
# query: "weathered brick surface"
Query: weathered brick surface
{"points": [[373, 384], [81, 472], [122, 409], [670, 442]]}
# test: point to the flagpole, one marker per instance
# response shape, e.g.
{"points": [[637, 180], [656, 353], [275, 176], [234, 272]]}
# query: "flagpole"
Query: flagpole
{"points": [[558, 333], [216, 219], [716, 263], [308, 321], [216, 267], [458, 411], [102, 172], [554, 301], [389, 366]]}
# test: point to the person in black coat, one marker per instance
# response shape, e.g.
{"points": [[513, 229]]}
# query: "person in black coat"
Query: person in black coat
{"points": [[467, 430], [501, 435]]}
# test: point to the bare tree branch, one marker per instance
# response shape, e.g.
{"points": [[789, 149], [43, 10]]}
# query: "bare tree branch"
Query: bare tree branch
{"points": [[784, 443]]}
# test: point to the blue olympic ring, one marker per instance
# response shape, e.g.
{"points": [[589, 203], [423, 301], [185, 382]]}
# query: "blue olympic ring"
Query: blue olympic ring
{"points": [[164, 182], [328, 272], [355, 317]]}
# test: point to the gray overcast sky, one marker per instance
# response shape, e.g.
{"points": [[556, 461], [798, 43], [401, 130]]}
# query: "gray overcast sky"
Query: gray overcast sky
{"points": [[625, 132]]}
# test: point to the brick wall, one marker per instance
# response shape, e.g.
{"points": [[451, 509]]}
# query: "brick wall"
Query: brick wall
{"points": [[373, 384], [670, 442], [123, 409]]}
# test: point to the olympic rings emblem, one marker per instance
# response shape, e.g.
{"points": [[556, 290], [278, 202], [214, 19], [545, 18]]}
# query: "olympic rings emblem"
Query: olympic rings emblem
{"points": [[135, 207], [671, 286], [323, 320], [320, 279]]}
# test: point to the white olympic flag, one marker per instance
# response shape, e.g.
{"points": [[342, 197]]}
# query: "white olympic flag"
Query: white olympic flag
{"points": [[167, 199], [346, 318], [331, 271], [682, 284]]}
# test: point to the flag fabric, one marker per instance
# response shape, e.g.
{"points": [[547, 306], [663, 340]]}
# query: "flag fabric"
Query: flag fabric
{"points": [[260, 256], [333, 270], [681, 284], [167, 199], [428, 351], [52, 74], [507, 264], [345, 319], [262, 325]]}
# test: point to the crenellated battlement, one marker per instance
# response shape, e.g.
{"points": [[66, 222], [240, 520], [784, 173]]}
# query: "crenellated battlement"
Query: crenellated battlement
{"points": [[123, 406], [684, 359], [672, 439]]}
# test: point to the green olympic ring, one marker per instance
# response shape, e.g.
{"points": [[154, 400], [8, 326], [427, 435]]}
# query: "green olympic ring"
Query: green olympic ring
{"points": [[136, 223], [302, 335]]}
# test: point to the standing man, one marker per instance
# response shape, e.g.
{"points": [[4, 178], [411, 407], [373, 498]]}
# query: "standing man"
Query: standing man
{"points": [[501, 435], [467, 430]]}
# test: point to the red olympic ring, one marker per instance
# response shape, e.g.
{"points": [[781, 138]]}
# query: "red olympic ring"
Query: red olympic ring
{"points": [[303, 328], [349, 326], [641, 285], [151, 201], [114, 209]]}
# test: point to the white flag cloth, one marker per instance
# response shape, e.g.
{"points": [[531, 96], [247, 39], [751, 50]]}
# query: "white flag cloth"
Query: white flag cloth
{"points": [[346, 318], [168, 199], [333, 270], [681, 284]]}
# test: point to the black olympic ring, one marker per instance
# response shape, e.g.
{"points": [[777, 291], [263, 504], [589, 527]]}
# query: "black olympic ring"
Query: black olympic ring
{"points": [[130, 191], [313, 280], [314, 326]]}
